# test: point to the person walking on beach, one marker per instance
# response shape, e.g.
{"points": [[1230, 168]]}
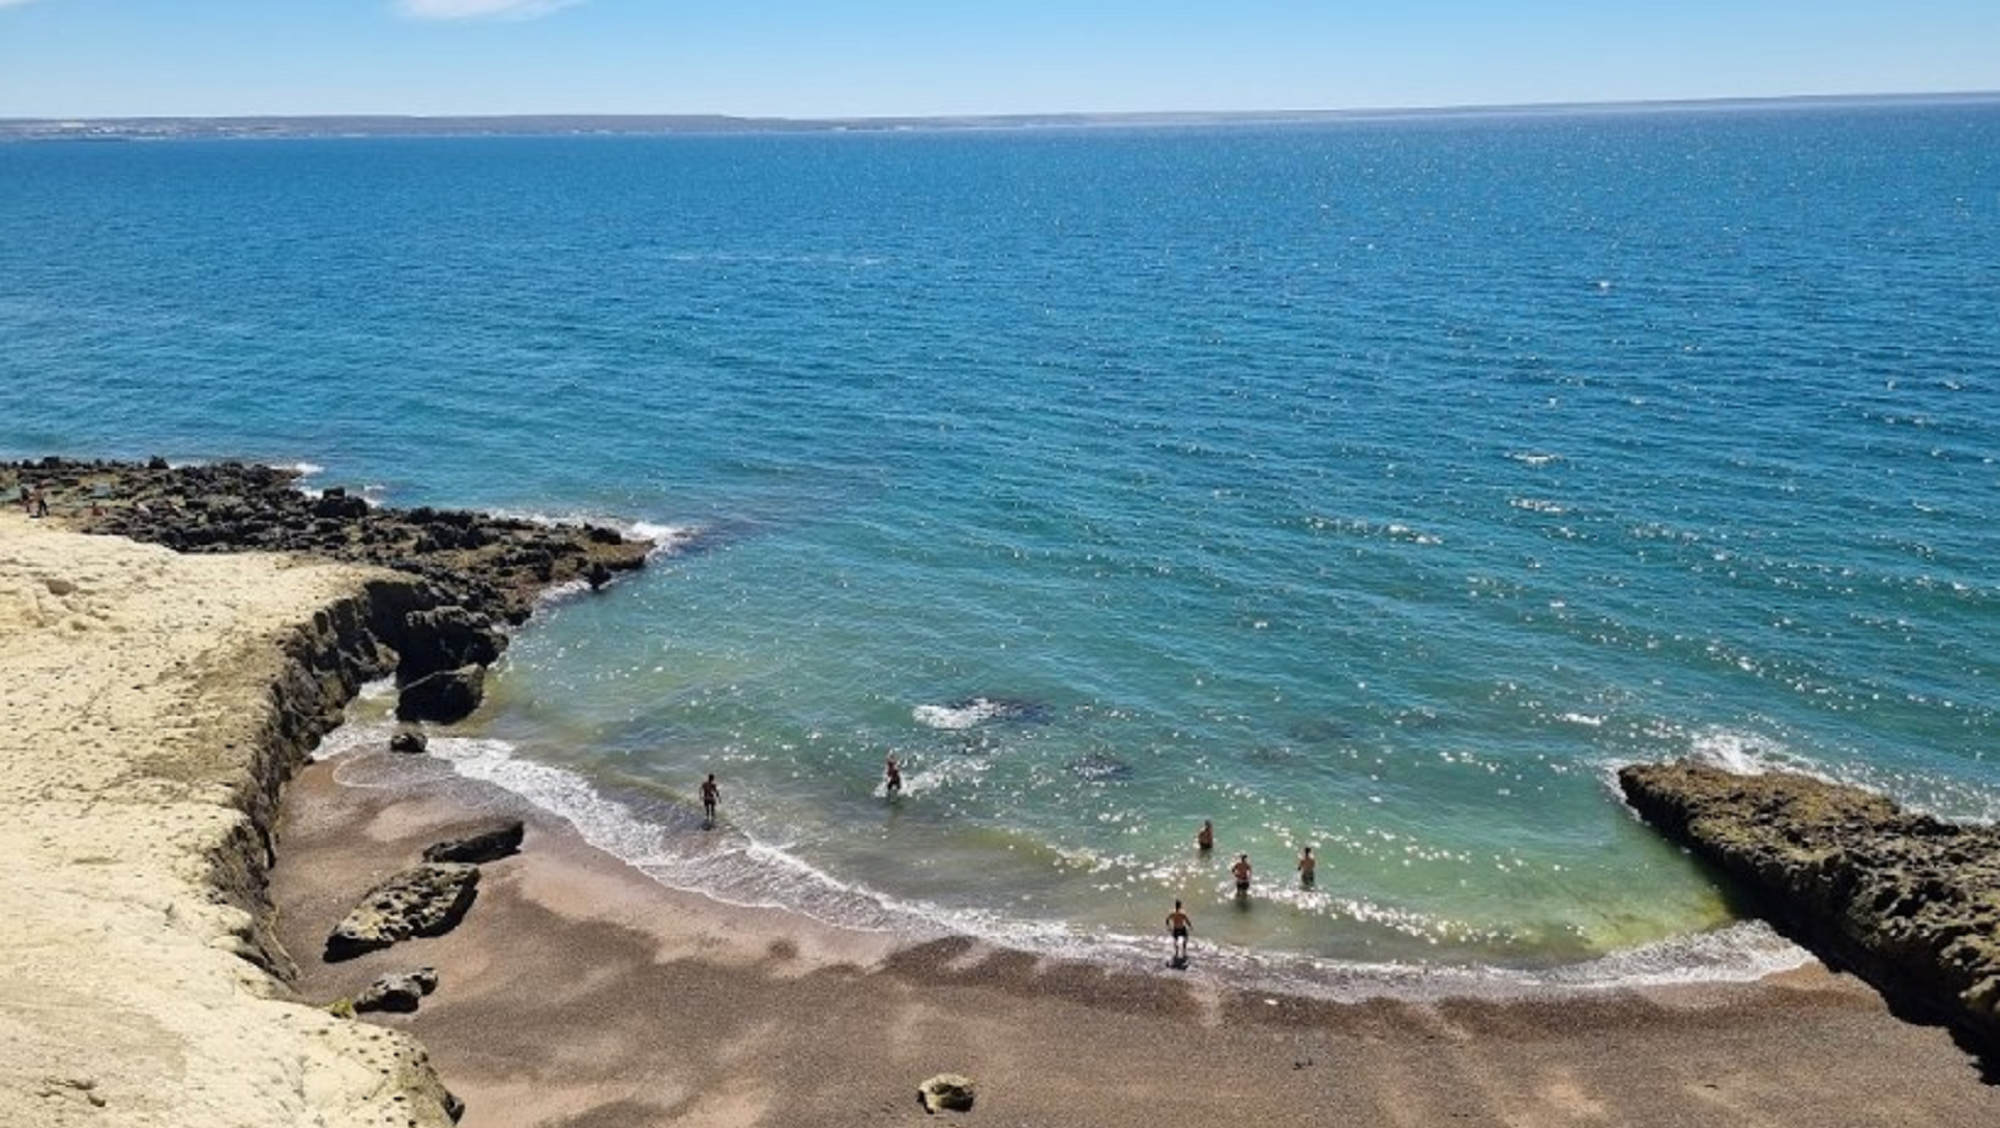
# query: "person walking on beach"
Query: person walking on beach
{"points": [[1178, 925], [1204, 839], [709, 794], [1241, 871], [892, 785], [1306, 865]]}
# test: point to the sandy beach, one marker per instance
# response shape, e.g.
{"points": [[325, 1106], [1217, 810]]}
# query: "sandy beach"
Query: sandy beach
{"points": [[577, 992]]}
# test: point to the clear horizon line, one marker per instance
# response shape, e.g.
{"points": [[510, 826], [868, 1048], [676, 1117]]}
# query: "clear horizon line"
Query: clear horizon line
{"points": [[1032, 115]]}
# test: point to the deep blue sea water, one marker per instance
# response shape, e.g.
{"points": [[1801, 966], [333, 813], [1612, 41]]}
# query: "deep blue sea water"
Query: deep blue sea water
{"points": [[1375, 486]]}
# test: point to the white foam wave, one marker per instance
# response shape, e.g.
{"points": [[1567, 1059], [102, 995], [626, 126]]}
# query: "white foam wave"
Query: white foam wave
{"points": [[733, 867], [350, 738], [1534, 458], [1538, 505], [1747, 753], [667, 540], [961, 715]]}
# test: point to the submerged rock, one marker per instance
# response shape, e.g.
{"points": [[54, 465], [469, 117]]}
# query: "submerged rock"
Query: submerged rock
{"points": [[409, 742], [424, 900], [1909, 902]]}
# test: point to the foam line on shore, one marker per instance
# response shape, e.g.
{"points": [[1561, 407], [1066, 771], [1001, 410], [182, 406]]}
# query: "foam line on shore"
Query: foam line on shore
{"points": [[665, 840]]}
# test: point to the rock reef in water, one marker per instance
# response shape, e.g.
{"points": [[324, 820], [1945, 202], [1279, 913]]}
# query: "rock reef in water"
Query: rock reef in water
{"points": [[1909, 902]]}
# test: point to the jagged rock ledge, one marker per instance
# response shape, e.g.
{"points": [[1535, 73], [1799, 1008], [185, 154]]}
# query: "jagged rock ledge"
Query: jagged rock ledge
{"points": [[477, 573], [1909, 902]]}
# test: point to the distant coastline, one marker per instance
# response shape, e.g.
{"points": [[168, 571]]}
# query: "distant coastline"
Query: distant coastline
{"points": [[559, 125]]}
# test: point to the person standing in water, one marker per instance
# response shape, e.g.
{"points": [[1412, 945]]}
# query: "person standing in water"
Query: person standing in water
{"points": [[709, 794], [1178, 925], [893, 777], [1241, 872], [1204, 839], [1306, 865]]}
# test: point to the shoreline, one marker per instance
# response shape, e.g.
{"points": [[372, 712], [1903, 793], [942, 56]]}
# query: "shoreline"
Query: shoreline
{"points": [[669, 1006], [653, 834], [580, 992]]}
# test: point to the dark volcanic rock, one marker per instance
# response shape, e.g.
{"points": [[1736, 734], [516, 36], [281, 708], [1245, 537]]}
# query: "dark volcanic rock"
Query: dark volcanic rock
{"points": [[1907, 901], [409, 742], [444, 697], [485, 846], [445, 638], [401, 993], [493, 566], [424, 900]]}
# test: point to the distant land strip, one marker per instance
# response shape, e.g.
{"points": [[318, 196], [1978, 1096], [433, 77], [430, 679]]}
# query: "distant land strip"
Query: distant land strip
{"points": [[556, 125]]}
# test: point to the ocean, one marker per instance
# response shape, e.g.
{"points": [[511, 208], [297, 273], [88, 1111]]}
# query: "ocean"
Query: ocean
{"points": [[1378, 486]]}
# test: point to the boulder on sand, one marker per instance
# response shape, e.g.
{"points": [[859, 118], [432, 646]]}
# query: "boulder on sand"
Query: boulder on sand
{"points": [[425, 900], [400, 993], [951, 1091], [487, 845]]}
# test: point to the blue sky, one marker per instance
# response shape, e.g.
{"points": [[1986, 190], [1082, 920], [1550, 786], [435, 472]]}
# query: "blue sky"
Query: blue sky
{"points": [[840, 58]]}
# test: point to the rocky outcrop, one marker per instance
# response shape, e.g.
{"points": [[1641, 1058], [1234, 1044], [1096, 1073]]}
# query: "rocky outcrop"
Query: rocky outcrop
{"points": [[478, 572], [446, 696], [324, 663], [487, 845], [409, 742], [491, 567], [425, 900], [141, 781], [446, 638], [1907, 901], [401, 993]]}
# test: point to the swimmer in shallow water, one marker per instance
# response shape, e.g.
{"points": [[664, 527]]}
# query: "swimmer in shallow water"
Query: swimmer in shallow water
{"points": [[1204, 839], [710, 793], [1178, 925]]}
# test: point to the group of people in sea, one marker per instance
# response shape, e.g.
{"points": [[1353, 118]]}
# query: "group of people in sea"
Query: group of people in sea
{"points": [[1179, 924]]}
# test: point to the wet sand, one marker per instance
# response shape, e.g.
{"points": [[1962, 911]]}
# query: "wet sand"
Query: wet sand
{"points": [[578, 992]]}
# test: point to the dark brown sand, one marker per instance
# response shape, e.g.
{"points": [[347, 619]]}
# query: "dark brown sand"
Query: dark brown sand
{"points": [[579, 993]]}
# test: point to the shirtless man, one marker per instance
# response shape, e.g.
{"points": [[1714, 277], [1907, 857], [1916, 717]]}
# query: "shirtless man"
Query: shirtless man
{"points": [[1241, 871], [1306, 865], [1204, 839], [709, 794], [1178, 925], [894, 785]]}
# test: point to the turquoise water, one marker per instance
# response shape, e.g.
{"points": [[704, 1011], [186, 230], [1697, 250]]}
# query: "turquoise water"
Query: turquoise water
{"points": [[1378, 486]]}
